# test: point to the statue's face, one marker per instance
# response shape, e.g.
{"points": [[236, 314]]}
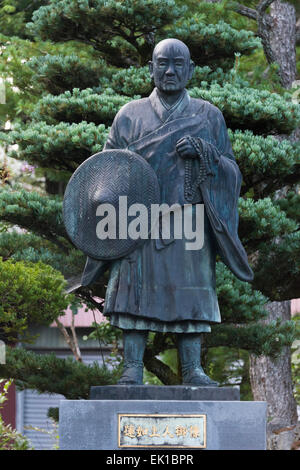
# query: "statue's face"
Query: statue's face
{"points": [[171, 67]]}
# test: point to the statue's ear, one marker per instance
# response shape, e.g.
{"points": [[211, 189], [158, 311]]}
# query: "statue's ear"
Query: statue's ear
{"points": [[191, 70], [150, 64]]}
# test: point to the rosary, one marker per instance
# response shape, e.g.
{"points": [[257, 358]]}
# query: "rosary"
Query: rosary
{"points": [[189, 189]]}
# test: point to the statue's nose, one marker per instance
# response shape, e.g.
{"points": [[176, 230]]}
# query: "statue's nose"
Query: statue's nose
{"points": [[170, 70]]}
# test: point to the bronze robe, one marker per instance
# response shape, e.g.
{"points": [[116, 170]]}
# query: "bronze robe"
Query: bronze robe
{"points": [[161, 286]]}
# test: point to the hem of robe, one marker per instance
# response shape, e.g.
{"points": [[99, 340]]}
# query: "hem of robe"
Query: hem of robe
{"points": [[131, 322]]}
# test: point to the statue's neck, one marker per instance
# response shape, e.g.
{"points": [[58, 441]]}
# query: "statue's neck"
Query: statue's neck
{"points": [[169, 100]]}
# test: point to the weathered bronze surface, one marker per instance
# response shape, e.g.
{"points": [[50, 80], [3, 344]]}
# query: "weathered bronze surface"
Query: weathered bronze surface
{"points": [[162, 286], [99, 181]]}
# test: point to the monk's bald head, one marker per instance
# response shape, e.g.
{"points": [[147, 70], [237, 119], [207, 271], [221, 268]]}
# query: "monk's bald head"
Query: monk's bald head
{"points": [[171, 66], [171, 46]]}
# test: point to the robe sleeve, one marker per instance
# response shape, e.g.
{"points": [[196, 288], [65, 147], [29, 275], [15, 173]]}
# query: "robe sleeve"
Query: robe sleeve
{"points": [[220, 146], [226, 180], [225, 177], [221, 193], [221, 136], [114, 140], [93, 270], [121, 129]]}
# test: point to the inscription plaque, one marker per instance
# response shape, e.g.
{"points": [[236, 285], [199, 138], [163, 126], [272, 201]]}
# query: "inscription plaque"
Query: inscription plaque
{"points": [[162, 430]]}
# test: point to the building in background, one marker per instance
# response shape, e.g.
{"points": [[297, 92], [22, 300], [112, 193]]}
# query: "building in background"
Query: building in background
{"points": [[27, 410]]}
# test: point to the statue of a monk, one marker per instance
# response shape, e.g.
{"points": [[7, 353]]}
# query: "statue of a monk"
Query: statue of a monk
{"points": [[162, 286]]}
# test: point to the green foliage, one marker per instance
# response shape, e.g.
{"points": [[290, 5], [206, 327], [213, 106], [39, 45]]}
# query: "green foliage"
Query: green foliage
{"points": [[248, 108], [30, 293], [41, 214], [265, 162], [267, 340], [11, 22], [27, 62], [259, 73], [47, 373], [33, 248], [132, 81], [53, 413], [13, 243], [136, 81], [221, 11], [57, 73], [15, 13], [230, 367], [105, 332], [212, 44], [99, 22], [240, 302], [77, 106], [277, 269], [10, 439], [261, 221], [20, 97], [63, 146], [108, 335], [205, 76], [291, 204], [36, 65]]}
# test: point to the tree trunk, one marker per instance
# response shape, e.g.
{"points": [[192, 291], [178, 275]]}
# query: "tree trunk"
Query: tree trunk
{"points": [[298, 33], [271, 379], [278, 33], [71, 341], [282, 37]]}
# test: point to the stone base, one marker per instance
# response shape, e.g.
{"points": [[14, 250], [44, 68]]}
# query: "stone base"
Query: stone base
{"points": [[229, 425], [157, 392]]}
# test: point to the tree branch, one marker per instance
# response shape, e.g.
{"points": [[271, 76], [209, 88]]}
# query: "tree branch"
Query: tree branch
{"points": [[161, 370], [254, 14], [263, 5], [245, 11], [75, 340], [264, 23], [68, 339]]}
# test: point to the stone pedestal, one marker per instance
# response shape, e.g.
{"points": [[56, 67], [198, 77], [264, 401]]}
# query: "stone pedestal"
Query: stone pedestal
{"points": [[170, 392], [154, 417]]}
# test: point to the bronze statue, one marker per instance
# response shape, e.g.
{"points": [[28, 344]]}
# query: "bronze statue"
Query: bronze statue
{"points": [[161, 286]]}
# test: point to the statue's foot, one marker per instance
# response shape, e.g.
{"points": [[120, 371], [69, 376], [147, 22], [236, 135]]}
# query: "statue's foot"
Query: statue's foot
{"points": [[198, 378], [131, 376]]}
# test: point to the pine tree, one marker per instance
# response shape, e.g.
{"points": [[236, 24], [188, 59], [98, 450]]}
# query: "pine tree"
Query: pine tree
{"points": [[95, 63]]}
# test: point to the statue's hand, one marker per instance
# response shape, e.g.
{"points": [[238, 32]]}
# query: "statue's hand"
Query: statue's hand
{"points": [[185, 148]]}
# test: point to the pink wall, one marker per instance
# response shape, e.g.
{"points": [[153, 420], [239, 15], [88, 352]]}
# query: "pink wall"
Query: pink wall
{"points": [[83, 318], [8, 412], [295, 307]]}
